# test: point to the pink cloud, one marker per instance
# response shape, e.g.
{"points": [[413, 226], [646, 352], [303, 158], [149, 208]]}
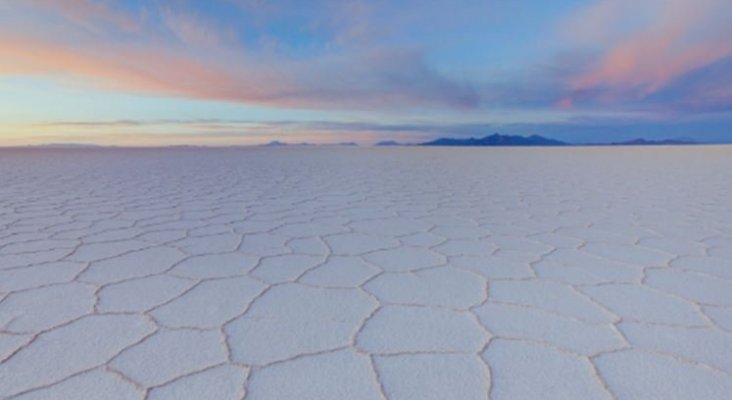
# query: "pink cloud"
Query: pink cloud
{"points": [[646, 44], [194, 58], [565, 103], [129, 68]]}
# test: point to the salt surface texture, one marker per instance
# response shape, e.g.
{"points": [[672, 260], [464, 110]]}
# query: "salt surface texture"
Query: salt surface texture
{"points": [[341, 273]]}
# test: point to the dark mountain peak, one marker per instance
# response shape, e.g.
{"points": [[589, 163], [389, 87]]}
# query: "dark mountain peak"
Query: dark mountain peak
{"points": [[275, 143], [647, 142], [387, 143], [497, 140]]}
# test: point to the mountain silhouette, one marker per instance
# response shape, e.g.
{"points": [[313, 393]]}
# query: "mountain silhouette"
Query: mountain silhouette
{"points": [[497, 140]]}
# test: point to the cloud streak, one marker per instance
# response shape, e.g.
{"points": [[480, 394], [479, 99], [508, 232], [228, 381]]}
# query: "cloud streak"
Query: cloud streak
{"points": [[198, 63], [652, 43], [462, 67]]}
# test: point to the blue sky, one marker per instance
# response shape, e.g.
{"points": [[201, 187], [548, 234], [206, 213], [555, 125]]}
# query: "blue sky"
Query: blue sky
{"points": [[249, 71]]}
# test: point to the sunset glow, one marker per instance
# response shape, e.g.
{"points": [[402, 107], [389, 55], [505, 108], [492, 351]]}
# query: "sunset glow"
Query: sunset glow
{"points": [[243, 72]]}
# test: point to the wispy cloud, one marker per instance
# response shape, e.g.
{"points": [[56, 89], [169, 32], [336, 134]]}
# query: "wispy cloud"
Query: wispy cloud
{"points": [[644, 46], [415, 68], [198, 63]]}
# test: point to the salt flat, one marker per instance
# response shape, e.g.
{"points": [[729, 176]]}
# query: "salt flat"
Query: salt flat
{"points": [[366, 273]]}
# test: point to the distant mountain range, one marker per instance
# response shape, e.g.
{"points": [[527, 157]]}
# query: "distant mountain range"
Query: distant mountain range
{"points": [[388, 143], [277, 143], [274, 143], [646, 142], [497, 140]]}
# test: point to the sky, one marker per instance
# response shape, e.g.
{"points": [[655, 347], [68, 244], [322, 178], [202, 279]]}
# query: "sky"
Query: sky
{"points": [[238, 72]]}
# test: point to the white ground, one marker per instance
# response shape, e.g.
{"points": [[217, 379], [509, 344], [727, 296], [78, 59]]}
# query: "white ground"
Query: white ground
{"points": [[404, 273]]}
